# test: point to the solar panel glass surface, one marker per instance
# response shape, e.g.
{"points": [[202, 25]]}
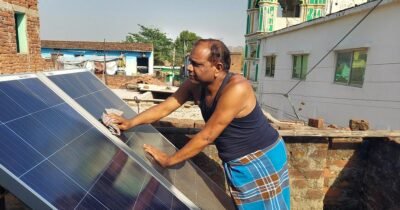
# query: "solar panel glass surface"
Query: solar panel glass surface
{"points": [[56, 153], [95, 97]]}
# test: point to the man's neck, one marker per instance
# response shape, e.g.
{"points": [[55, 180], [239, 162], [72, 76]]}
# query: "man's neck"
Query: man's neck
{"points": [[214, 86]]}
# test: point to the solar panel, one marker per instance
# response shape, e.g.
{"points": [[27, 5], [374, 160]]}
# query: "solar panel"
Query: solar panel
{"points": [[87, 90], [52, 157]]}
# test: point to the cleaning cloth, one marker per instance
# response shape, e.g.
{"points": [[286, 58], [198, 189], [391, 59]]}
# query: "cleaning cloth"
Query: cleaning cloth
{"points": [[108, 122]]}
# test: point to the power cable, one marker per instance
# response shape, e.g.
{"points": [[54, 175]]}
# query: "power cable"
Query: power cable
{"points": [[340, 41]]}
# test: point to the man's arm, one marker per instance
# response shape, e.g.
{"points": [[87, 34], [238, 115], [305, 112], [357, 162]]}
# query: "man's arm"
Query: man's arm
{"points": [[231, 102], [159, 111]]}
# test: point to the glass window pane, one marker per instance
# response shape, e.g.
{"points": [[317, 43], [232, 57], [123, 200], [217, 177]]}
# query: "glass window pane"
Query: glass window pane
{"points": [[268, 71], [273, 66], [310, 13], [268, 66], [253, 50], [343, 64], [358, 68], [296, 66], [304, 66]]}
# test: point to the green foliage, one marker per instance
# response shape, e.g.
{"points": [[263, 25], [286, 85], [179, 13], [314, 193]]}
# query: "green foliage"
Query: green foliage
{"points": [[183, 45], [162, 44]]}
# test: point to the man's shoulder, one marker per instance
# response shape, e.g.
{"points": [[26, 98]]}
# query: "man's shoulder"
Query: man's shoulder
{"points": [[238, 81], [238, 86]]}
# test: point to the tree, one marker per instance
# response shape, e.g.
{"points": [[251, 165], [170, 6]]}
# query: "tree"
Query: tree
{"points": [[162, 44], [183, 45]]}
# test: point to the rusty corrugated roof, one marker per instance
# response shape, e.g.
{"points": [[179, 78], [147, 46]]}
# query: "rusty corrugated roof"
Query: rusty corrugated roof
{"points": [[109, 46]]}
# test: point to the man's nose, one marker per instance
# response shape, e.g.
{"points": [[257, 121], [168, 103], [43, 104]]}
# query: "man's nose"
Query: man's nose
{"points": [[190, 67]]}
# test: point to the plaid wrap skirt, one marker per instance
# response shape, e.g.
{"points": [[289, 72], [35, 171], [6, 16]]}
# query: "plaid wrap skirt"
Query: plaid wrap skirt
{"points": [[260, 180]]}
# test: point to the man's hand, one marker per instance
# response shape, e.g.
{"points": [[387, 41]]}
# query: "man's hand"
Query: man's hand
{"points": [[161, 157], [123, 124]]}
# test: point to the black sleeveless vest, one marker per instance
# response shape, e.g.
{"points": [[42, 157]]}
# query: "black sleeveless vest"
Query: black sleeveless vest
{"points": [[243, 135]]}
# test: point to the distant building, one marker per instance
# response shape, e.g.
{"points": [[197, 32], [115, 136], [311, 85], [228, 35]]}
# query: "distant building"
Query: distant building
{"points": [[236, 62], [133, 58], [19, 37], [359, 79], [267, 16]]}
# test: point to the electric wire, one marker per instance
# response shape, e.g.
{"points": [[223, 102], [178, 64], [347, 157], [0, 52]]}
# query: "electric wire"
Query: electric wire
{"points": [[326, 54], [340, 41]]}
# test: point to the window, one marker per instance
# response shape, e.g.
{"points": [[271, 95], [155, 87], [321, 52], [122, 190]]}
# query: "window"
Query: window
{"points": [[20, 32], [350, 67], [317, 1], [270, 66], [300, 66], [313, 13], [79, 54], [253, 50]]}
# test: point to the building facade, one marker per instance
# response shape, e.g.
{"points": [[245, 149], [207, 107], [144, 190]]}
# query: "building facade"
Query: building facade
{"points": [[299, 75], [19, 37], [267, 16], [133, 58]]}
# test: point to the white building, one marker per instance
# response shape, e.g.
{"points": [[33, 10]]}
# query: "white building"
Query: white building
{"points": [[266, 16], [358, 79]]}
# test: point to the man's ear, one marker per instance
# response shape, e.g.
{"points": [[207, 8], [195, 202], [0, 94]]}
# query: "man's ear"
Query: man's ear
{"points": [[219, 66]]}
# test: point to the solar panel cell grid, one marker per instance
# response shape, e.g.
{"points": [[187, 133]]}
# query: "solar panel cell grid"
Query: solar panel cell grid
{"points": [[23, 96], [61, 157], [38, 136], [15, 153], [9, 109], [186, 177]]}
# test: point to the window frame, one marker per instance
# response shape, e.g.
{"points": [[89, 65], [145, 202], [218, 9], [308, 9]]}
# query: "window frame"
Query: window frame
{"points": [[21, 32], [301, 71], [272, 66], [349, 82], [252, 50]]}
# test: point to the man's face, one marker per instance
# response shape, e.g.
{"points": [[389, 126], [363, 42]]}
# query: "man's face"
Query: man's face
{"points": [[200, 69]]}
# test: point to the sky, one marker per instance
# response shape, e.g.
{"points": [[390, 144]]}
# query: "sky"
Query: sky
{"points": [[96, 20]]}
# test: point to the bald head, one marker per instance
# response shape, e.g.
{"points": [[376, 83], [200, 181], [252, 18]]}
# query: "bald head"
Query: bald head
{"points": [[218, 52]]}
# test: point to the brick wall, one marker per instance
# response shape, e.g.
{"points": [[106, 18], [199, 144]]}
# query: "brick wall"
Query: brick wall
{"points": [[116, 81], [11, 61], [122, 81], [307, 160], [325, 173], [381, 180]]}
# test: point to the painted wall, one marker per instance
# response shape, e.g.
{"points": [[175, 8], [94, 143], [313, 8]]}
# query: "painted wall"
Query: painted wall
{"points": [[333, 6], [284, 22], [131, 57], [378, 101], [269, 19]]}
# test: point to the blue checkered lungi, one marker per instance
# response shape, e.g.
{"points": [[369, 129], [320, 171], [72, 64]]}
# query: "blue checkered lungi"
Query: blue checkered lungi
{"points": [[260, 180]]}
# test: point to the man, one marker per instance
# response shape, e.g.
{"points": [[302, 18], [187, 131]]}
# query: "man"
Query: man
{"points": [[253, 154]]}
